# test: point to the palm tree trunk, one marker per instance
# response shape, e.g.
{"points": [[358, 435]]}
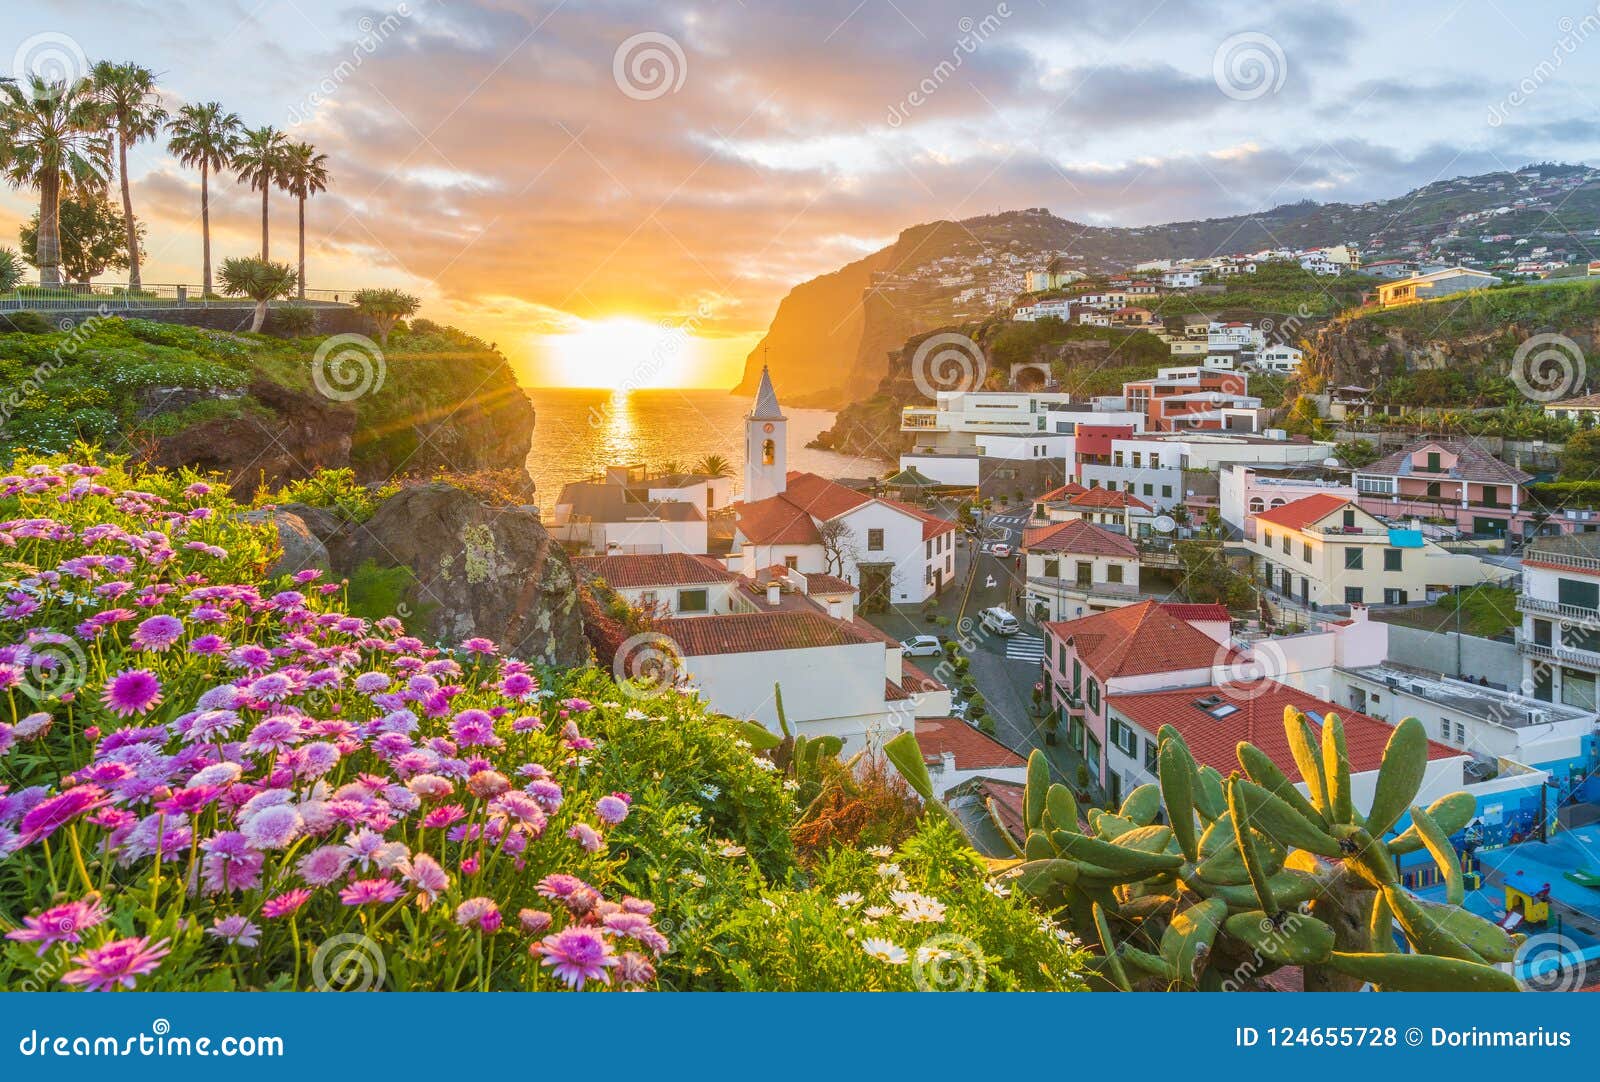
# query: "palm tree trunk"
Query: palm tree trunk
{"points": [[302, 284], [205, 233], [127, 213], [260, 317], [47, 252], [264, 224]]}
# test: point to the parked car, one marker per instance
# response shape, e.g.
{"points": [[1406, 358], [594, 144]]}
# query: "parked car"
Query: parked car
{"points": [[999, 621], [922, 646], [1001, 550]]}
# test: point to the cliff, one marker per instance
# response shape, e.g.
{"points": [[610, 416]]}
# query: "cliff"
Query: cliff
{"points": [[831, 337]]}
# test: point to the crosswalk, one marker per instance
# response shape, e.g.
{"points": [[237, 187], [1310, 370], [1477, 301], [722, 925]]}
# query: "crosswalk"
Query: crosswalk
{"points": [[1015, 519], [1025, 648]]}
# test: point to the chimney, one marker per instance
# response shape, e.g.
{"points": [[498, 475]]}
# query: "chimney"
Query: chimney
{"points": [[773, 590], [836, 608]]}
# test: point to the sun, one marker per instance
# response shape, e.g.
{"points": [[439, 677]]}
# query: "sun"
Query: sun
{"points": [[621, 353]]}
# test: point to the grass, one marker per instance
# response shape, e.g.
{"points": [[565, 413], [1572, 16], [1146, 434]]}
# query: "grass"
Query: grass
{"points": [[1486, 611]]}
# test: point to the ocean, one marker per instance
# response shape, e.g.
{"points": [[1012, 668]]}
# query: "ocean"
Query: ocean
{"points": [[580, 431]]}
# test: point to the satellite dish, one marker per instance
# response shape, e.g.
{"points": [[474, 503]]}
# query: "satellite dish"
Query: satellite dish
{"points": [[1332, 462], [1165, 524]]}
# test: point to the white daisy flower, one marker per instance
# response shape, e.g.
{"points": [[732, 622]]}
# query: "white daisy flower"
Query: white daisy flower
{"points": [[848, 899], [885, 951]]}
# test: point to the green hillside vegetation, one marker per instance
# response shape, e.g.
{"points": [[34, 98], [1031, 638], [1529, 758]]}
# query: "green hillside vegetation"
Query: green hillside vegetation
{"points": [[1560, 303], [1282, 289], [105, 381]]}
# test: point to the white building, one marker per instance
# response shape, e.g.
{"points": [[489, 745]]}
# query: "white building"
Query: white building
{"points": [[1279, 358], [1074, 568], [1054, 308], [631, 511]]}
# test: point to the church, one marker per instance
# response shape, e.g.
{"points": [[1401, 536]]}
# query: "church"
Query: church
{"points": [[891, 552]]}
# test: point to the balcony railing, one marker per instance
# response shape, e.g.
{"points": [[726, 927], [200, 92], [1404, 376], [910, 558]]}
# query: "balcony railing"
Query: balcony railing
{"points": [[1555, 608], [1590, 564], [1587, 659], [115, 297]]}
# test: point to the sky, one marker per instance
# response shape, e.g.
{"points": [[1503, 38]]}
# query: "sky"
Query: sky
{"points": [[573, 180]]}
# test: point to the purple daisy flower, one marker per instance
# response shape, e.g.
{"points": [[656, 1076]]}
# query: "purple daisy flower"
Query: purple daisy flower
{"points": [[612, 809], [157, 633], [116, 963], [577, 955], [50, 815], [132, 691], [235, 929], [60, 924], [284, 904], [371, 892]]}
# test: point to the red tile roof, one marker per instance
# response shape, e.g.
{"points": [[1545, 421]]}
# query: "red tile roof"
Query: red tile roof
{"points": [[1007, 797], [1139, 640], [1259, 719], [1106, 498], [1076, 535], [820, 497], [1192, 613], [818, 583], [894, 693], [1071, 488], [972, 749], [915, 680], [630, 570], [776, 521], [1303, 512], [932, 524], [756, 632], [790, 518]]}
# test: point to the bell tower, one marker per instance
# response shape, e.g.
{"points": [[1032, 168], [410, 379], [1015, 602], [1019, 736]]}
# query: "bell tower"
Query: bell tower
{"points": [[766, 444]]}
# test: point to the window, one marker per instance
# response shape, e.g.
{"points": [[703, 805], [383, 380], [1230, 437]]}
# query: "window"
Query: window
{"points": [[1114, 573], [1353, 558], [1123, 737], [1393, 560], [1052, 567], [1085, 571], [693, 601], [1491, 495], [769, 452], [875, 539], [792, 563], [1433, 461], [927, 550], [1394, 597], [1444, 728], [1461, 733], [1155, 461], [1077, 673], [1166, 492], [1149, 490], [1094, 697], [1266, 538], [647, 599], [1433, 490], [1286, 540], [1150, 753], [1352, 595], [1305, 551], [1349, 518]]}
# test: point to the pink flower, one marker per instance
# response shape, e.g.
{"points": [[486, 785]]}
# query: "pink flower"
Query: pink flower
{"points": [[60, 924], [480, 911], [284, 904], [116, 963], [534, 921], [576, 955], [157, 633], [587, 836], [49, 816], [612, 809], [430, 879], [235, 929], [371, 892], [132, 691]]}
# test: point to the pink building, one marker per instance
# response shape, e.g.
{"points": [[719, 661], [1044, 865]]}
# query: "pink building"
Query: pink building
{"points": [[1452, 480], [1245, 491]]}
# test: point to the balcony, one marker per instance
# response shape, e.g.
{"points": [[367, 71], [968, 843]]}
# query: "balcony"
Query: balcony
{"points": [[1566, 655], [919, 419], [1540, 607], [1571, 561]]}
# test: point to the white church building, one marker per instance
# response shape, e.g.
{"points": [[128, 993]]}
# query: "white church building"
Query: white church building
{"points": [[891, 552]]}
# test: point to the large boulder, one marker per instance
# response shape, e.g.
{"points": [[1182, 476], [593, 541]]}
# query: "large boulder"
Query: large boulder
{"points": [[482, 570], [302, 547]]}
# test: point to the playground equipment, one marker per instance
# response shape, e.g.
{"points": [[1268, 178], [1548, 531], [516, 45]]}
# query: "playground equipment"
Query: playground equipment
{"points": [[1584, 878], [1523, 907]]}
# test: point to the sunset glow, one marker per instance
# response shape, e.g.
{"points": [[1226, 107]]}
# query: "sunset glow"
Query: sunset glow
{"points": [[621, 353]]}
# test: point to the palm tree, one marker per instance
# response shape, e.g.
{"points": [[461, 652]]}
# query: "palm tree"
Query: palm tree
{"points": [[128, 94], [714, 466], [258, 279], [259, 163], [204, 135], [52, 138], [305, 173]]}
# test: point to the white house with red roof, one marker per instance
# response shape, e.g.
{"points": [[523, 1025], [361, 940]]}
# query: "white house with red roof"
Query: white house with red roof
{"points": [[1327, 550], [956, 753], [1074, 568], [1110, 508]]}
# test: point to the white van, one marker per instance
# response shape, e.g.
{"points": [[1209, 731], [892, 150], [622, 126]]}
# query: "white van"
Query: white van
{"points": [[999, 621]]}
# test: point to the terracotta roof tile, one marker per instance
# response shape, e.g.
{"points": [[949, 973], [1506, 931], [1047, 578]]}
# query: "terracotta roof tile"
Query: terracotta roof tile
{"points": [[1303, 512], [915, 680], [820, 497], [1106, 498], [1071, 488], [776, 521], [1139, 640], [1076, 535], [629, 570], [972, 749], [1473, 463], [1258, 719], [756, 632], [1196, 612], [894, 693]]}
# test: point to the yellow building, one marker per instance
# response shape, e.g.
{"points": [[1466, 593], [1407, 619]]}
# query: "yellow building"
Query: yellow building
{"points": [[1324, 550]]}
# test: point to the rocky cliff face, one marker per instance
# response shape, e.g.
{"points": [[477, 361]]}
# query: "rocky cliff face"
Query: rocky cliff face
{"points": [[1367, 351], [481, 570]]}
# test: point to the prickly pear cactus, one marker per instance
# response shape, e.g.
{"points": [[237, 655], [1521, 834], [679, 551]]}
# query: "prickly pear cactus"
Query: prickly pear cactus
{"points": [[1246, 875]]}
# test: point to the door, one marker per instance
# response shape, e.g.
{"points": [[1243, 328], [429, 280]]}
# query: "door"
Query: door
{"points": [[875, 580]]}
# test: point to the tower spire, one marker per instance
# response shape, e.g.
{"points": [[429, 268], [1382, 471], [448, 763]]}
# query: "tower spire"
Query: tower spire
{"points": [[766, 407]]}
